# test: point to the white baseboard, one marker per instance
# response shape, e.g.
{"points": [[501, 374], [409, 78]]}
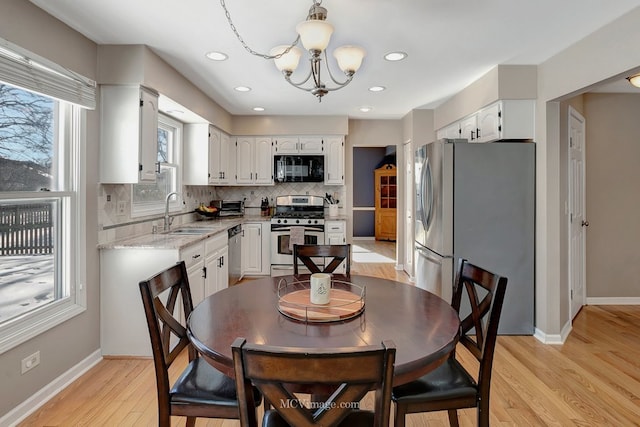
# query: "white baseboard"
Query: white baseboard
{"points": [[613, 300], [363, 238], [43, 395], [553, 339]]}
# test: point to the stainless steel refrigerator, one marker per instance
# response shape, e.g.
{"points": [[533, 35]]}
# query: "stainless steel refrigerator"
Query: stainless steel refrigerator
{"points": [[477, 202]]}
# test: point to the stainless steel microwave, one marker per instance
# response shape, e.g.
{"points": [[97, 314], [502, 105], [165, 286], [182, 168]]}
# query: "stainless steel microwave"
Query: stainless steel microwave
{"points": [[298, 168]]}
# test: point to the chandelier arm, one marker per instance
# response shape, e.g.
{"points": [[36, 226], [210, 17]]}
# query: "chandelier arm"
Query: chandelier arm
{"points": [[246, 46], [287, 77], [340, 84]]}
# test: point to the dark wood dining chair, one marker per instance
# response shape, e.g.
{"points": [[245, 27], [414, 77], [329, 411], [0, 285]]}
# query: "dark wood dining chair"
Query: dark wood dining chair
{"points": [[450, 386], [337, 253], [346, 376], [201, 390]]}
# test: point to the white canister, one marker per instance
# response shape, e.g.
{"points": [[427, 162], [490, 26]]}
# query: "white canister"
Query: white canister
{"points": [[333, 211], [320, 288]]}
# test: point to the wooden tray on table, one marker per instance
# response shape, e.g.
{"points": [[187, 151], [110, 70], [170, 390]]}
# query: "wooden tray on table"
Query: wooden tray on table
{"points": [[294, 301]]}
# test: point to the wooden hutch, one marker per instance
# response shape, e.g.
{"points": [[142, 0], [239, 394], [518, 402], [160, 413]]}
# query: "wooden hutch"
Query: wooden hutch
{"points": [[386, 202]]}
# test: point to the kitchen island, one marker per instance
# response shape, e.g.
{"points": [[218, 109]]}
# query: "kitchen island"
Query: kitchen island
{"points": [[124, 263]]}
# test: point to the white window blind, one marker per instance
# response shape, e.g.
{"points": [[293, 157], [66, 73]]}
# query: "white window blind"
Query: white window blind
{"points": [[21, 68]]}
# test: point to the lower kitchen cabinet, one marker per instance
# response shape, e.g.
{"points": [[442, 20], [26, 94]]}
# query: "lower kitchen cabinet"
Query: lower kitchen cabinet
{"points": [[216, 266], [335, 234], [256, 258]]}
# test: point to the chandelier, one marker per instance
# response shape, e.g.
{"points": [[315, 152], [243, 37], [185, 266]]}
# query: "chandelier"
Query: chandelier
{"points": [[315, 34]]}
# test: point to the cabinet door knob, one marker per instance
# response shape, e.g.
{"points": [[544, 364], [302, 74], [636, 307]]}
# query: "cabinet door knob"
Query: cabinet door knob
{"points": [[585, 223]]}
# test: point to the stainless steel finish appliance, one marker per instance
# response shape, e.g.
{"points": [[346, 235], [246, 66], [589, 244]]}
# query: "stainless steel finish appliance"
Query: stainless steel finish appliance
{"points": [[477, 201], [301, 216], [298, 168], [229, 207], [235, 254]]}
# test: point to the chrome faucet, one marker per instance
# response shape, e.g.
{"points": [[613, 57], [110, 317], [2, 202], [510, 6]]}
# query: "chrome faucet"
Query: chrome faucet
{"points": [[167, 219]]}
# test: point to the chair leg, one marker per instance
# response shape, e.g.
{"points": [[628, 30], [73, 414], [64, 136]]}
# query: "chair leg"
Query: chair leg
{"points": [[453, 417], [399, 414], [483, 413], [191, 421]]}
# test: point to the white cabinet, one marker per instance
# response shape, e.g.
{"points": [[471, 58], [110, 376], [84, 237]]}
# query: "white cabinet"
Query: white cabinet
{"points": [[511, 119], [256, 249], [450, 132], [221, 159], [207, 158], [254, 161], [469, 127], [334, 161], [216, 266], [295, 145], [252, 248], [128, 134], [508, 119], [335, 234], [193, 257]]}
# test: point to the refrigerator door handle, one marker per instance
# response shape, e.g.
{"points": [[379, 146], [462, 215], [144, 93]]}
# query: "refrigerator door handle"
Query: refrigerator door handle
{"points": [[428, 183]]}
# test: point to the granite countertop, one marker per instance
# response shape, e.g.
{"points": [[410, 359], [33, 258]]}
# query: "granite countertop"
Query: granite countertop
{"points": [[167, 240]]}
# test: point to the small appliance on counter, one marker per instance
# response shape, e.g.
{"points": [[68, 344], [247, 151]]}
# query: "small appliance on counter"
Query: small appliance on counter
{"points": [[229, 208]]}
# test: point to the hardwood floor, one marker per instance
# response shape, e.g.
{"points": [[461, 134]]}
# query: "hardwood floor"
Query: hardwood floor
{"points": [[591, 380]]}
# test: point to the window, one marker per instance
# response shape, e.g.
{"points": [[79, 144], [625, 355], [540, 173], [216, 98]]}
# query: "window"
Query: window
{"points": [[150, 198], [38, 202], [42, 262]]}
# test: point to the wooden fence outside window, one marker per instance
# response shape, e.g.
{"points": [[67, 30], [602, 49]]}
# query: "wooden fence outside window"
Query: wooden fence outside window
{"points": [[26, 229]]}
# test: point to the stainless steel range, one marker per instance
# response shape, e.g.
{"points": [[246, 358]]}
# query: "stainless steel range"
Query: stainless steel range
{"points": [[297, 220]]}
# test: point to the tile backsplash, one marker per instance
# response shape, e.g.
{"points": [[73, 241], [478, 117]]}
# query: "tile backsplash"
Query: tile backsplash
{"points": [[114, 204]]}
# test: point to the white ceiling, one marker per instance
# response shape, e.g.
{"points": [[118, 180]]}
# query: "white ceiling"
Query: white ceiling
{"points": [[450, 44]]}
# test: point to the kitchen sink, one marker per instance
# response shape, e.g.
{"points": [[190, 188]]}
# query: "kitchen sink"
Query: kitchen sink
{"points": [[191, 231]]}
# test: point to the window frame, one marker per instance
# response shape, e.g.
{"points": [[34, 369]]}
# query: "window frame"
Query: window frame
{"points": [[70, 255], [176, 128]]}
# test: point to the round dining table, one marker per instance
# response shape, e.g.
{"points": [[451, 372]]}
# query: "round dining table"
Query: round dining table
{"points": [[424, 327]]}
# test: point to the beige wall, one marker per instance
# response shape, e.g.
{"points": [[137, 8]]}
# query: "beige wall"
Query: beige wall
{"points": [[501, 82], [612, 196], [290, 125], [137, 64], [67, 344], [368, 133], [569, 73]]}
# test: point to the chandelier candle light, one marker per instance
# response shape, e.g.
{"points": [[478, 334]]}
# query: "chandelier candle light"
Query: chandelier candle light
{"points": [[315, 34]]}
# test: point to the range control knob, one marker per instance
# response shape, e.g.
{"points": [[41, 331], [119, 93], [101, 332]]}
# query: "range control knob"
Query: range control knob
{"points": [[297, 221]]}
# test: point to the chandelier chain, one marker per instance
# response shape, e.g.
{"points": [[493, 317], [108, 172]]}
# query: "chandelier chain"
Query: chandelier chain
{"points": [[246, 46]]}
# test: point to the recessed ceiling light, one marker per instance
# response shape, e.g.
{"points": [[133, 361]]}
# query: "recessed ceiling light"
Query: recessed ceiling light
{"points": [[377, 88], [258, 108], [365, 109], [216, 56], [242, 89], [395, 56]]}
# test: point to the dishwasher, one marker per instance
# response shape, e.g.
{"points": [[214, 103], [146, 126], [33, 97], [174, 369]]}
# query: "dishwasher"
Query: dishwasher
{"points": [[235, 254]]}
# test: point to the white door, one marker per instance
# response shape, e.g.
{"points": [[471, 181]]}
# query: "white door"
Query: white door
{"points": [[577, 218], [408, 216]]}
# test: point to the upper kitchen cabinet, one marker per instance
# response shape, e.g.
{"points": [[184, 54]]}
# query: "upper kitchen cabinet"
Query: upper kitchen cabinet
{"points": [[128, 134], [452, 131], [294, 145], [508, 119], [254, 161], [207, 156], [334, 160], [469, 127]]}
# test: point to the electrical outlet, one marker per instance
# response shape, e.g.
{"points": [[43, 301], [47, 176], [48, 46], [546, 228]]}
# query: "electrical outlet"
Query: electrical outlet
{"points": [[30, 362], [108, 197], [122, 206]]}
